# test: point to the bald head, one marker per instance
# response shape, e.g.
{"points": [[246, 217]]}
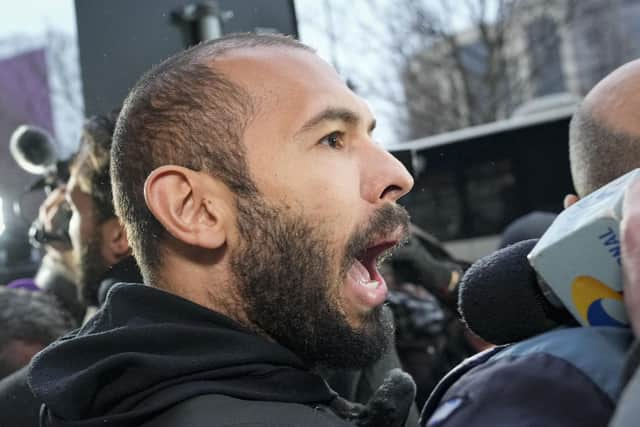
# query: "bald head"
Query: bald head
{"points": [[604, 137]]}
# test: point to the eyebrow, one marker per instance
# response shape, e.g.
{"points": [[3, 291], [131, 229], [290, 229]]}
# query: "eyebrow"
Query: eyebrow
{"points": [[334, 114]]}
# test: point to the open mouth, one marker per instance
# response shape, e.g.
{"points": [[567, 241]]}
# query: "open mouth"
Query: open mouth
{"points": [[365, 288], [370, 259]]}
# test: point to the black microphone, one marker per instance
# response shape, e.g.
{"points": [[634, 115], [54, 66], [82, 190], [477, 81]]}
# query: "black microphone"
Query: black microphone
{"points": [[389, 405], [502, 300]]}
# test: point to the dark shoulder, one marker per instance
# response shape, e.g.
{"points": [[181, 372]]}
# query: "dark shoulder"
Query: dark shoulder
{"points": [[223, 411], [538, 389], [18, 406]]}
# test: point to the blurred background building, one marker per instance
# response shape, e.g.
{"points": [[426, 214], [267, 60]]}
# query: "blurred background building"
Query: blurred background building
{"points": [[511, 54]]}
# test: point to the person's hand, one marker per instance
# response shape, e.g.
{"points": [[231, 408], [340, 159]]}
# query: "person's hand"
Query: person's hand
{"points": [[51, 212], [630, 242], [50, 205]]}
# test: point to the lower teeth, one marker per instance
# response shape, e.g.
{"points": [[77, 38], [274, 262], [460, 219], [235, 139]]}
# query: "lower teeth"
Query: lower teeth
{"points": [[373, 284]]}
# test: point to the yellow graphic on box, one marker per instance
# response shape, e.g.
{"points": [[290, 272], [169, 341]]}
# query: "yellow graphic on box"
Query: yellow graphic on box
{"points": [[588, 295]]}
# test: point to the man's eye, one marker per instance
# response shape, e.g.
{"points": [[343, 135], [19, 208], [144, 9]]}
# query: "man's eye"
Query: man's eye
{"points": [[333, 140]]}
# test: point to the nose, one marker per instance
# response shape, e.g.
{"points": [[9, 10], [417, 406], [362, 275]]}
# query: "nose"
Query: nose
{"points": [[384, 177]]}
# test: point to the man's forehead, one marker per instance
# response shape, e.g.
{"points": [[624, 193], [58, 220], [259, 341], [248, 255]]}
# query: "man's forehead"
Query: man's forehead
{"points": [[285, 76], [273, 59], [265, 71]]}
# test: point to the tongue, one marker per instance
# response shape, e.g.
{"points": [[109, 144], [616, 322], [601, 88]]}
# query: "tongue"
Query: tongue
{"points": [[362, 289]]}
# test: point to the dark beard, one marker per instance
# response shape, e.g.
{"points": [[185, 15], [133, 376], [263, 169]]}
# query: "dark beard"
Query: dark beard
{"points": [[91, 269], [285, 274]]}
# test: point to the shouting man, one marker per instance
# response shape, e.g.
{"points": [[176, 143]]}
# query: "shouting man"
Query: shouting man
{"points": [[258, 206]]}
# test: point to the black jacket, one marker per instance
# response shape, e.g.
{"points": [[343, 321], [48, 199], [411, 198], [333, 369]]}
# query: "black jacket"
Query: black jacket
{"points": [[18, 406], [151, 358]]}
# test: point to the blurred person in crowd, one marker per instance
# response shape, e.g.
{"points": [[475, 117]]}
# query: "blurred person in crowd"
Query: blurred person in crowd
{"points": [[100, 254], [29, 321], [574, 375], [530, 226], [430, 338], [257, 205], [33, 149], [95, 252], [56, 274]]}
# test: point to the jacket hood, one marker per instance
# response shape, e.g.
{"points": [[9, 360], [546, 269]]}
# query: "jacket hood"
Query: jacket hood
{"points": [[147, 350], [126, 270]]}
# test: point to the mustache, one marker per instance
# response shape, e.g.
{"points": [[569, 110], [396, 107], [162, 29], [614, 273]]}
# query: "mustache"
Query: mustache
{"points": [[384, 221]]}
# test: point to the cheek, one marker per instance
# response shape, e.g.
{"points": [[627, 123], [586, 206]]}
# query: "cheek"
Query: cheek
{"points": [[333, 203], [335, 210], [334, 187]]}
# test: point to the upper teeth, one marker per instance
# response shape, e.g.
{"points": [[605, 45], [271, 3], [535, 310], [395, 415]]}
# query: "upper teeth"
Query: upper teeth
{"points": [[370, 284]]}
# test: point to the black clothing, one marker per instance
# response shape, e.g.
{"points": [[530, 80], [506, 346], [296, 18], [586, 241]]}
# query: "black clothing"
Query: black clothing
{"points": [[218, 410], [147, 351], [126, 271], [430, 339], [18, 406]]}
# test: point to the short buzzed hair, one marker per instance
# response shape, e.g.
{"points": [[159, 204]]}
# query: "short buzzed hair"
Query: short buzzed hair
{"points": [[182, 112], [599, 154]]}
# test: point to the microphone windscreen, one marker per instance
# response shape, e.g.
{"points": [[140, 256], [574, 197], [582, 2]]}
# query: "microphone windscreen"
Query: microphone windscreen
{"points": [[499, 297], [33, 149]]}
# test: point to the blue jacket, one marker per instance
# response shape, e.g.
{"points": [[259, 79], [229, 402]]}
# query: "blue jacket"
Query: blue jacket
{"points": [[565, 377]]}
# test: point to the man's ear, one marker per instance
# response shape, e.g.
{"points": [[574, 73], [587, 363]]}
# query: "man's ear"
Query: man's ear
{"points": [[192, 206], [115, 244], [570, 199]]}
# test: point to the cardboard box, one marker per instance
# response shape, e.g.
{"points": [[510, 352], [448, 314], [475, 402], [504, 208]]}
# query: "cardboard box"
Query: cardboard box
{"points": [[579, 256]]}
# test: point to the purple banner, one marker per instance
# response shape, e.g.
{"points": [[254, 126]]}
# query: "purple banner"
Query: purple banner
{"points": [[24, 99]]}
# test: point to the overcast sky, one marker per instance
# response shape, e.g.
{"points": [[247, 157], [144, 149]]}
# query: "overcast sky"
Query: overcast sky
{"points": [[34, 16]]}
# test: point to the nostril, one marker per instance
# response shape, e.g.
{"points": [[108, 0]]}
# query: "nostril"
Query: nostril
{"points": [[391, 190]]}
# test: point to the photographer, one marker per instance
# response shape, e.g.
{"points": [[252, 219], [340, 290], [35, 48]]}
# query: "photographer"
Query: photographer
{"points": [[56, 275], [100, 254]]}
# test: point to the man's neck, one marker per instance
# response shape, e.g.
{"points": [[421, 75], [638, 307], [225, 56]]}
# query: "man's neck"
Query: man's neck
{"points": [[217, 290]]}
